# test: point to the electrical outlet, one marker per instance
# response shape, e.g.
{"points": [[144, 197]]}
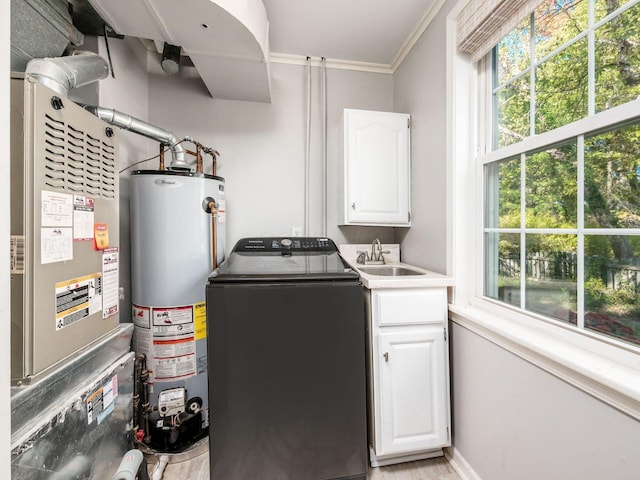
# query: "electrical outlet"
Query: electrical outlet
{"points": [[296, 231]]}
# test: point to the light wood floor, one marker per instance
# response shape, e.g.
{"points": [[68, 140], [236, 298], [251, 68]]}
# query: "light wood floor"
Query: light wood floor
{"points": [[195, 466]]}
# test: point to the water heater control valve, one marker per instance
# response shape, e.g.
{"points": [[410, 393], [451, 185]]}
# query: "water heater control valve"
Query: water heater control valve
{"points": [[172, 402]]}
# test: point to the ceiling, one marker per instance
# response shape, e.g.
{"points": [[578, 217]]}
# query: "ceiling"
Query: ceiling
{"points": [[230, 42], [372, 31]]}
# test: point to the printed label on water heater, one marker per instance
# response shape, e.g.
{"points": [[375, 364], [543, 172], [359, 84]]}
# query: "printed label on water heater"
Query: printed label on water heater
{"points": [[200, 320], [141, 316], [167, 369], [172, 316], [174, 342], [174, 348], [221, 210]]}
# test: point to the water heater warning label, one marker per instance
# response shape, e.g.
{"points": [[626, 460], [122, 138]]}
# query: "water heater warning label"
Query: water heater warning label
{"points": [[172, 316], [167, 335], [77, 299], [200, 320], [174, 345], [174, 367]]}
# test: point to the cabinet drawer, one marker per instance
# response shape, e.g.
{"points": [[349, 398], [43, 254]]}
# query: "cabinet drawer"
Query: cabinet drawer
{"points": [[409, 306]]}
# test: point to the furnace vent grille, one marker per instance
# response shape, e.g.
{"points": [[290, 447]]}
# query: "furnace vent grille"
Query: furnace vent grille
{"points": [[77, 161]]}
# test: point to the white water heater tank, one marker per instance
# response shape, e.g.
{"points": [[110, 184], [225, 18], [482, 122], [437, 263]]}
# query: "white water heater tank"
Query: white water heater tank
{"points": [[171, 258]]}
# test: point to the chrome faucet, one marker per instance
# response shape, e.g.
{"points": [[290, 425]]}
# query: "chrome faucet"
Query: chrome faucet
{"points": [[375, 257]]}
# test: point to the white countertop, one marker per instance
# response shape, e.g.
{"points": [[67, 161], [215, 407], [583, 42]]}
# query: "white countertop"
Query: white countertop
{"points": [[427, 279]]}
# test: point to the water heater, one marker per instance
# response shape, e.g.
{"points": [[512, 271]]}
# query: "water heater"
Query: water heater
{"points": [[174, 215]]}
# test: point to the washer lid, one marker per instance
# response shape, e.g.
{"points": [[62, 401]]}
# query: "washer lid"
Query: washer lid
{"points": [[283, 259]]}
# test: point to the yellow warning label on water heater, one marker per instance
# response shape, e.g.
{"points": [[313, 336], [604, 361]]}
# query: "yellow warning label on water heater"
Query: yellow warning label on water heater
{"points": [[200, 320]]}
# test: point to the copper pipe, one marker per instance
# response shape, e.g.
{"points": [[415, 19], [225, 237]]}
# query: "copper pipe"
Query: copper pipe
{"points": [[161, 166], [198, 159], [214, 232]]}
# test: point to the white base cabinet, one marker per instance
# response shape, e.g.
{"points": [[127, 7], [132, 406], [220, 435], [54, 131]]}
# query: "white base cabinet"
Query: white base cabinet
{"points": [[409, 374]]}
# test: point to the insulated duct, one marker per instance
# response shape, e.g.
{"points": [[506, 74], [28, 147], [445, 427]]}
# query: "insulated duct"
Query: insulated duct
{"points": [[145, 129], [61, 74]]}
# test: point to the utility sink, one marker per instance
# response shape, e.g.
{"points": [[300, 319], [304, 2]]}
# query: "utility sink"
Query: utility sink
{"points": [[389, 271]]}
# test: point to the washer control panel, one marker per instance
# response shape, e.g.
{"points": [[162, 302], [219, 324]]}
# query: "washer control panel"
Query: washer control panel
{"points": [[285, 244]]}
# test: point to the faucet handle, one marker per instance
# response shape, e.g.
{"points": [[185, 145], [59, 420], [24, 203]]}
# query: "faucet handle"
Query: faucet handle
{"points": [[380, 252]]}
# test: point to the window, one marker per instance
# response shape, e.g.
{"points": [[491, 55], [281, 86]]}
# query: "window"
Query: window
{"points": [[562, 171]]}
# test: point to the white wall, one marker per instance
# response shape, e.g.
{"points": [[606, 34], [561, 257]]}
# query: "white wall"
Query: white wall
{"points": [[262, 146], [419, 89], [511, 420], [128, 93]]}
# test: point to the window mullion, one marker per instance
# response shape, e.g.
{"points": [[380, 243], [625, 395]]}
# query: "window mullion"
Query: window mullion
{"points": [[580, 253], [532, 76], [494, 106], [591, 63], [523, 224]]}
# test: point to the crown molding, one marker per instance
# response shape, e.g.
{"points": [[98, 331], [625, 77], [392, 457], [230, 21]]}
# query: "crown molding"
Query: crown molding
{"points": [[331, 63], [341, 64]]}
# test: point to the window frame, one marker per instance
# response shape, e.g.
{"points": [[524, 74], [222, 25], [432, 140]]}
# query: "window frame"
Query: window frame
{"points": [[602, 366], [574, 132]]}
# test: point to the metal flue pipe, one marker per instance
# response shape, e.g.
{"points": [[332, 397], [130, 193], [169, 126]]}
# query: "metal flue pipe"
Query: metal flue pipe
{"points": [[61, 74], [127, 122]]}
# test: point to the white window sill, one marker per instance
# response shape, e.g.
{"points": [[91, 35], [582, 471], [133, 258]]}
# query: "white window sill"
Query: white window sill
{"points": [[608, 370]]}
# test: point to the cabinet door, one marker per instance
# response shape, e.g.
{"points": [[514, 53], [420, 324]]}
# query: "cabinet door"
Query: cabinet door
{"points": [[377, 150], [413, 401]]}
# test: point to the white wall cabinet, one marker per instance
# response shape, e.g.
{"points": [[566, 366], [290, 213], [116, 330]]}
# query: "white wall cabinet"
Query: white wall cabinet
{"points": [[375, 174], [409, 374]]}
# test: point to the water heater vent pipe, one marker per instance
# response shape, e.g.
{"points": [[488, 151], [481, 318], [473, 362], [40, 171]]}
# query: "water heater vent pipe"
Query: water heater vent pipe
{"points": [[61, 74], [127, 122]]}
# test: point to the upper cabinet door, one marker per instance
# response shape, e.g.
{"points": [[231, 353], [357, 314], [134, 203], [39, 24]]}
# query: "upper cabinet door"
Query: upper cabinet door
{"points": [[376, 186]]}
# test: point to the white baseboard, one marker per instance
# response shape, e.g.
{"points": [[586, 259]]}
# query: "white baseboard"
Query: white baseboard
{"points": [[393, 459], [460, 465]]}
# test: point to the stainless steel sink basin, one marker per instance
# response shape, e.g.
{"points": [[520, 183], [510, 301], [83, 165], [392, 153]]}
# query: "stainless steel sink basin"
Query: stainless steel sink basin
{"points": [[389, 271]]}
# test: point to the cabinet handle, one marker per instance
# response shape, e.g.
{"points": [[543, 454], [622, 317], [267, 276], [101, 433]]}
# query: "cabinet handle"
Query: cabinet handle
{"points": [[386, 356], [353, 206]]}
